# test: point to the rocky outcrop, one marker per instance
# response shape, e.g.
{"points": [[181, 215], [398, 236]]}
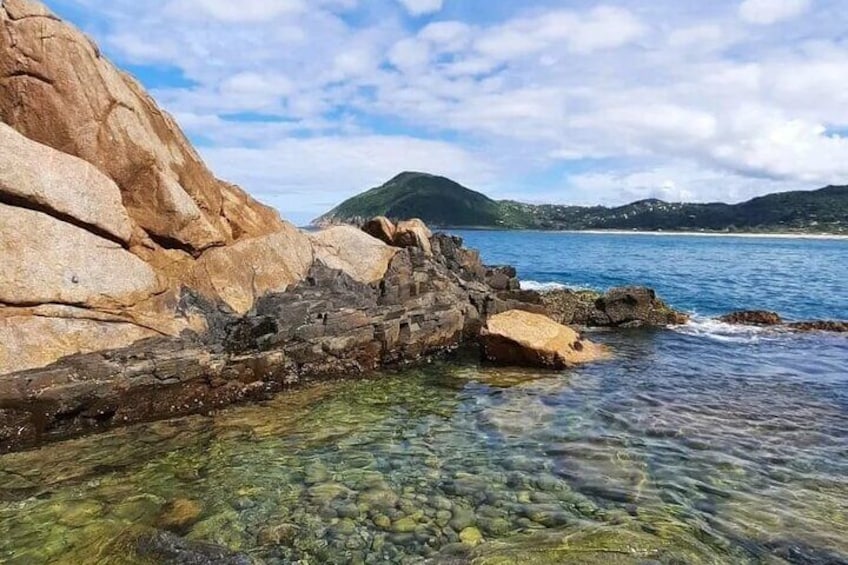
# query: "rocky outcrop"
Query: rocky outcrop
{"points": [[620, 307], [328, 325], [56, 88], [752, 318], [408, 233], [522, 338], [106, 211]]}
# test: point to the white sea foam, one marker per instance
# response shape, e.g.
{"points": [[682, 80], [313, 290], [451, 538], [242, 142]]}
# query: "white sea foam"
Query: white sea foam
{"points": [[549, 286], [716, 330], [542, 286]]}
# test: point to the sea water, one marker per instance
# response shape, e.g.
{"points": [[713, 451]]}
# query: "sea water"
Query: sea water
{"points": [[701, 444]]}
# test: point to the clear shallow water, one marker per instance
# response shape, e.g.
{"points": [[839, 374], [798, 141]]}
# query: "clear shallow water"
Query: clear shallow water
{"points": [[707, 444]]}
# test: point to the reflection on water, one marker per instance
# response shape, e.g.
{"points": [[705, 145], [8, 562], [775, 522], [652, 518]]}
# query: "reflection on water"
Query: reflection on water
{"points": [[681, 450]]}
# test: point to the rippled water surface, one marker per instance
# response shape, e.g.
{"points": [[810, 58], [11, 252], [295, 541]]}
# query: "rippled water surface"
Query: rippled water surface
{"points": [[705, 444]]}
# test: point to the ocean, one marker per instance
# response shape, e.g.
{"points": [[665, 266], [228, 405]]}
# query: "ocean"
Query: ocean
{"points": [[706, 443]]}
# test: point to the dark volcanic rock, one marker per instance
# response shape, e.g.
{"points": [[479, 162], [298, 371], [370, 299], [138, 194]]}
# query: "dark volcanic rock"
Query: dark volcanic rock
{"points": [[752, 318], [620, 307]]}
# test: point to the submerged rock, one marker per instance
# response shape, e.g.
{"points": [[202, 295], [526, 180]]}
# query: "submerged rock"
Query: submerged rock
{"points": [[752, 318], [169, 549], [526, 339], [179, 515]]}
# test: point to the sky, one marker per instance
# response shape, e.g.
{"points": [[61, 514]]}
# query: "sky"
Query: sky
{"points": [[307, 102]]}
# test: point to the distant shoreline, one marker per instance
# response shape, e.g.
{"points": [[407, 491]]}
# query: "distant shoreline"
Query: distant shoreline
{"points": [[759, 235], [762, 235]]}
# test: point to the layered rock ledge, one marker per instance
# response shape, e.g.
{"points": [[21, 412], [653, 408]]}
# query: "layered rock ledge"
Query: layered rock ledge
{"points": [[329, 325]]}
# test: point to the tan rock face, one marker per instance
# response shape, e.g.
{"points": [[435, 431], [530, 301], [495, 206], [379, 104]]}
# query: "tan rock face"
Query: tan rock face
{"points": [[49, 261], [108, 212], [34, 341], [353, 251], [57, 89], [45, 179], [524, 339], [413, 233], [240, 273]]}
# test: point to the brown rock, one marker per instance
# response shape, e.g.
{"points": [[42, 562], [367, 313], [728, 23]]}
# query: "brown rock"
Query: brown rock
{"points": [[620, 307], [39, 177], [179, 515], [413, 233], [46, 260], [34, 341], [752, 318], [61, 92], [354, 252], [526, 339], [382, 228], [240, 273]]}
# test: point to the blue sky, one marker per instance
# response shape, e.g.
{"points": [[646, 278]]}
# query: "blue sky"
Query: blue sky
{"points": [[307, 102]]}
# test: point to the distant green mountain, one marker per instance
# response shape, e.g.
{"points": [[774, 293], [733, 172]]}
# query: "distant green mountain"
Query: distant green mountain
{"points": [[442, 202]]}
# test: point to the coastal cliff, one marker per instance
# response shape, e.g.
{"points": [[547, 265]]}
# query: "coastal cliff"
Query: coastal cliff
{"points": [[138, 286]]}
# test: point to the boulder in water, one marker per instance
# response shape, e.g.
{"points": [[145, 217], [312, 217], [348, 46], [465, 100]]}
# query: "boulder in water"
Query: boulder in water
{"points": [[620, 307], [523, 338]]}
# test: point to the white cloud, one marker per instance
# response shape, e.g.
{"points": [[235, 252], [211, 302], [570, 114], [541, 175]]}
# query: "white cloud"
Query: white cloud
{"points": [[660, 98], [767, 12], [422, 7], [241, 11]]}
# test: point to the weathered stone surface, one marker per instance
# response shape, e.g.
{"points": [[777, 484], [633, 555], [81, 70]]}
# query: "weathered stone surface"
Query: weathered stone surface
{"points": [[240, 273], [752, 318], [382, 228], [56, 88], [413, 233], [620, 307], [33, 341], [525, 339], [46, 260], [354, 252], [327, 325], [39, 177]]}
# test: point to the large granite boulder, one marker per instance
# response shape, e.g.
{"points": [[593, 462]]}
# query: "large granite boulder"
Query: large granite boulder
{"points": [[108, 217], [523, 338], [354, 252], [413, 233], [63, 93], [240, 273]]}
